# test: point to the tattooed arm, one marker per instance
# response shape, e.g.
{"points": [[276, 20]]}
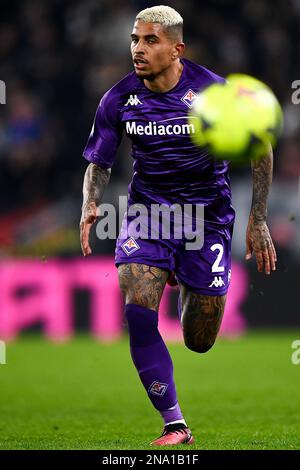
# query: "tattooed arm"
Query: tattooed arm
{"points": [[94, 184], [258, 238]]}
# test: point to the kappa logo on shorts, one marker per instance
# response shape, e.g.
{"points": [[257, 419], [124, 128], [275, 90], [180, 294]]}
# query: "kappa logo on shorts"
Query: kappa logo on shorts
{"points": [[188, 98], [217, 282], [158, 388], [130, 246]]}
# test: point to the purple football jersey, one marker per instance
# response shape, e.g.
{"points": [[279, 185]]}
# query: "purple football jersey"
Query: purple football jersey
{"points": [[168, 167]]}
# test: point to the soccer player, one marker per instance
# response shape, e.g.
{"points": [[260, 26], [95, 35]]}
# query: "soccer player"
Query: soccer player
{"points": [[150, 105]]}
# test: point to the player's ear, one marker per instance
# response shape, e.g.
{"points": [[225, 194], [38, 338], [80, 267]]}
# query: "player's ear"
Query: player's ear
{"points": [[178, 50]]}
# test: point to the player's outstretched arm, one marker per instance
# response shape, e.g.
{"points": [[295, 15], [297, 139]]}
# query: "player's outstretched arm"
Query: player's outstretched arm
{"points": [[95, 181], [258, 238]]}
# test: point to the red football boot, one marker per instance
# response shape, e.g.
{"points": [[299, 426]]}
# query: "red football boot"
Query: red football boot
{"points": [[173, 435]]}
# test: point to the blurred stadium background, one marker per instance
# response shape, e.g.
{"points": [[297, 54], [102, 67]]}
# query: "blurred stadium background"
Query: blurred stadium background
{"points": [[57, 59]]}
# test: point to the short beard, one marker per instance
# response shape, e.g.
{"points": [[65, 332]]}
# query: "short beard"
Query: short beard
{"points": [[150, 77]]}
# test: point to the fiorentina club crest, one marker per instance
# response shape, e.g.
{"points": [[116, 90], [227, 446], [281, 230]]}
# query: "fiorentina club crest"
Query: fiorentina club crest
{"points": [[158, 388], [130, 246], [188, 98]]}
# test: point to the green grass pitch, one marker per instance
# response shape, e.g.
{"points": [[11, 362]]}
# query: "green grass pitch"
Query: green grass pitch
{"points": [[242, 394]]}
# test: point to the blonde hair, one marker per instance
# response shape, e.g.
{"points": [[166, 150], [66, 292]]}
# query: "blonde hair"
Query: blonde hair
{"points": [[162, 14]]}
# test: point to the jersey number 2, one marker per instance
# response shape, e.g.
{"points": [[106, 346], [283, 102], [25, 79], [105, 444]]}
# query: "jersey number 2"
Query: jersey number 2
{"points": [[216, 268]]}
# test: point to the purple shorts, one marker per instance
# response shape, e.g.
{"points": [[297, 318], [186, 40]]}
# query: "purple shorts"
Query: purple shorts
{"points": [[205, 271]]}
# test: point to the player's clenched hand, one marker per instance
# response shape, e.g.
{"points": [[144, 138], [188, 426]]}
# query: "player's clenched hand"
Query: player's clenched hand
{"points": [[259, 242], [88, 218]]}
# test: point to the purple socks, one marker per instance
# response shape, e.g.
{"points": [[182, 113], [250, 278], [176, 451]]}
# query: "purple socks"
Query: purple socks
{"points": [[152, 361], [172, 415]]}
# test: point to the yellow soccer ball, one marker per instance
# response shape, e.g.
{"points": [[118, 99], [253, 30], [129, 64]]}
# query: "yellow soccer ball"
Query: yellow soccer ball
{"points": [[236, 120]]}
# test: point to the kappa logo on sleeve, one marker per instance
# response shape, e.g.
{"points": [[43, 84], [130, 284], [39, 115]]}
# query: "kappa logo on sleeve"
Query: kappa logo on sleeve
{"points": [[188, 98], [130, 246], [158, 388]]}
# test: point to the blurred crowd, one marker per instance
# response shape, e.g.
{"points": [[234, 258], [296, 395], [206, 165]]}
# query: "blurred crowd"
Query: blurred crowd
{"points": [[58, 57]]}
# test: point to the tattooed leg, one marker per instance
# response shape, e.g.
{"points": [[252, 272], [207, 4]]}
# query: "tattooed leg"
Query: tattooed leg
{"points": [[201, 319], [142, 285]]}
